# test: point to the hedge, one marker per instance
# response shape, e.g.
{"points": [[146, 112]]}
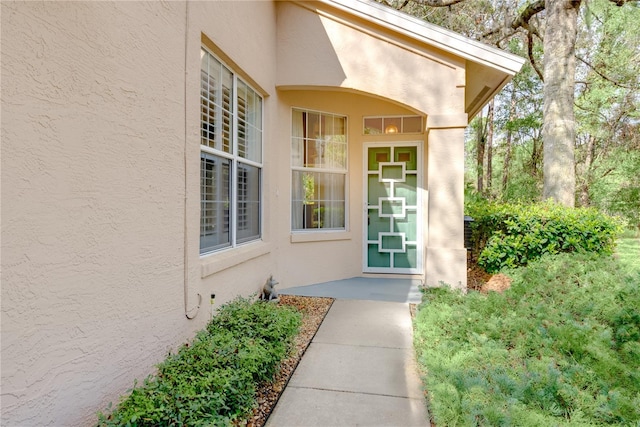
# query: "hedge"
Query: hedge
{"points": [[512, 235]]}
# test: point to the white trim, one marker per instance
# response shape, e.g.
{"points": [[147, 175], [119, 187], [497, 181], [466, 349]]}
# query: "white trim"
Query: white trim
{"points": [[391, 199], [402, 165], [233, 210], [402, 117], [419, 209], [392, 234]]}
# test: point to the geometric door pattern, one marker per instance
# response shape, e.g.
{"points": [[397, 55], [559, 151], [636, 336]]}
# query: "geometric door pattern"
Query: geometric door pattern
{"points": [[393, 242]]}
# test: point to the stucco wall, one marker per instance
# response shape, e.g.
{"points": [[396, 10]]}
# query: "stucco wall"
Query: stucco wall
{"points": [[446, 257], [321, 49], [100, 178], [313, 257], [93, 193], [243, 35]]}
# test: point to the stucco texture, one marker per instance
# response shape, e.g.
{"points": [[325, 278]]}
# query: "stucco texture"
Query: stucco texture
{"points": [[101, 272], [93, 211]]}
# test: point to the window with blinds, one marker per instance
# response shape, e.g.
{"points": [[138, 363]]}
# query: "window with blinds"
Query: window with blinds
{"points": [[230, 157]]}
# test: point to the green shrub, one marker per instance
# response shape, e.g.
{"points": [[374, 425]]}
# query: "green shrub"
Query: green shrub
{"points": [[212, 381], [561, 347], [512, 235]]}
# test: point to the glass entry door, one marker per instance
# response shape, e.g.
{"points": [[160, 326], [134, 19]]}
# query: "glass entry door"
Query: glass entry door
{"points": [[393, 222]]}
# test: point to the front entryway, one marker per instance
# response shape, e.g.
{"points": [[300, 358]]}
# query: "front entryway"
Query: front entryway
{"points": [[393, 226]]}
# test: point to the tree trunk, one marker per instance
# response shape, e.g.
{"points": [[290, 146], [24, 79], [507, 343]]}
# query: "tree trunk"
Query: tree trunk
{"points": [[481, 141], [535, 157], [489, 146], [585, 200], [507, 148], [558, 131]]}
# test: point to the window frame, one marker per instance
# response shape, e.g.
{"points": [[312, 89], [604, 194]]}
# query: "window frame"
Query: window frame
{"points": [[315, 169], [234, 158]]}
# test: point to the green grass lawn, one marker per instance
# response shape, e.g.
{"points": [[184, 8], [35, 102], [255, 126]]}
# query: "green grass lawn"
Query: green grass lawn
{"points": [[628, 250], [560, 348]]}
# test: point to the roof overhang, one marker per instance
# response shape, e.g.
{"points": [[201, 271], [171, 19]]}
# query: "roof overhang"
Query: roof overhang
{"points": [[488, 69]]}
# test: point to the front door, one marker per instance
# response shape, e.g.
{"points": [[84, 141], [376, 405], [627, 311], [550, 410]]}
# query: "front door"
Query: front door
{"points": [[393, 212]]}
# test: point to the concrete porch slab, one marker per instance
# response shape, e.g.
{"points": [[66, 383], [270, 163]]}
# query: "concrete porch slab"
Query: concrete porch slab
{"points": [[363, 288]]}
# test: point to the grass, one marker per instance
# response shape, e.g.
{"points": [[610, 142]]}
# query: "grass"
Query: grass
{"points": [[628, 251], [560, 348]]}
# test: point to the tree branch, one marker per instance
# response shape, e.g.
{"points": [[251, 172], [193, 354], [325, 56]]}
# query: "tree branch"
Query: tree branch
{"points": [[525, 16], [621, 2], [532, 59], [438, 3], [522, 20], [595, 70]]}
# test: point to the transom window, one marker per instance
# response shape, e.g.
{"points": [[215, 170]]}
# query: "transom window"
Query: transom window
{"points": [[230, 157], [392, 124], [319, 170]]}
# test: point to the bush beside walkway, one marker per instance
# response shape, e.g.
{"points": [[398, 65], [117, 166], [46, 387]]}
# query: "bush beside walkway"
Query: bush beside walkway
{"points": [[560, 347], [213, 380]]}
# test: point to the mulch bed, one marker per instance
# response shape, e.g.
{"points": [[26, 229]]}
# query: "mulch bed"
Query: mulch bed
{"points": [[313, 312], [481, 281]]}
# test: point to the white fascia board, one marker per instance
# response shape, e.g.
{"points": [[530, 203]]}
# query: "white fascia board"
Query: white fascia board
{"points": [[430, 34]]}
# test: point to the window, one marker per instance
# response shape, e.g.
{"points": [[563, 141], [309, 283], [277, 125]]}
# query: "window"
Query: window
{"points": [[392, 124], [319, 170], [230, 157]]}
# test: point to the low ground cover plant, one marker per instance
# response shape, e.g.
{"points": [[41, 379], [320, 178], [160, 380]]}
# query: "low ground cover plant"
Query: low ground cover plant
{"points": [[628, 251], [212, 380], [561, 347], [512, 235]]}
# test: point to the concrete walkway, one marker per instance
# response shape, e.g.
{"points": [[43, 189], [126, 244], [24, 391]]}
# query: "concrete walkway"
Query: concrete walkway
{"points": [[359, 369]]}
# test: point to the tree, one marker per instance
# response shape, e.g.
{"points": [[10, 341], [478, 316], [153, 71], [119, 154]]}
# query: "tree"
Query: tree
{"points": [[554, 22], [559, 125], [608, 110]]}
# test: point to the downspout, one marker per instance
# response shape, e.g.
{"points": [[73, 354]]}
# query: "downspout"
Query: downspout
{"points": [[193, 312]]}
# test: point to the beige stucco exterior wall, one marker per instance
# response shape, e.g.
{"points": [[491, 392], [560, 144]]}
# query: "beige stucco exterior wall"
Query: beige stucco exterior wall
{"points": [[446, 257], [320, 49], [94, 138], [100, 178], [243, 35], [313, 257]]}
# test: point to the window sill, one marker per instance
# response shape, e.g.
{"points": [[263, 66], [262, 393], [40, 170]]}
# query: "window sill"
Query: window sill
{"points": [[314, 236], [218, 261]]}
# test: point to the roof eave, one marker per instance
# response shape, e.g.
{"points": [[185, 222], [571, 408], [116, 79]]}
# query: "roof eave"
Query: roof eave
{"points": [[430, 34]]}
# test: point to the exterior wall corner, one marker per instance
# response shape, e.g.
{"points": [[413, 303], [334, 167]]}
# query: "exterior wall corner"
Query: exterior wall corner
{"points": [[445, 252], [446, 266]]}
